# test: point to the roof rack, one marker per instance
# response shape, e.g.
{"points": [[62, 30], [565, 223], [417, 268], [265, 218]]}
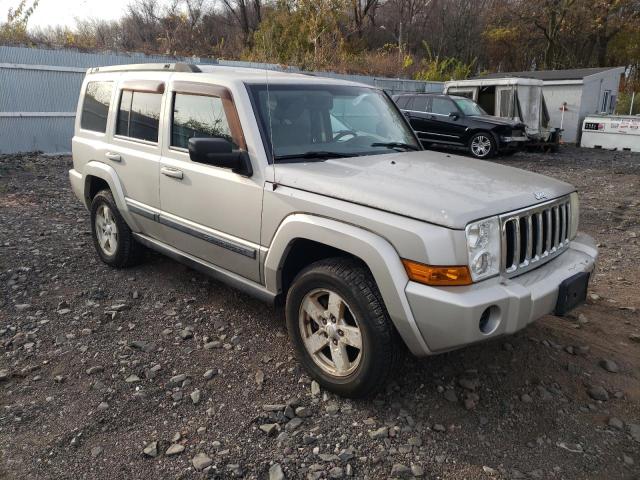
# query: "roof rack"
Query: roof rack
{"points": [[148, 67]]}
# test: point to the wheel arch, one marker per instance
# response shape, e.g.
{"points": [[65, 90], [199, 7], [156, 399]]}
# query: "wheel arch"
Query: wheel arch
{"points": [[301, 252], [326, 236], [477, 130], [97, 176]]}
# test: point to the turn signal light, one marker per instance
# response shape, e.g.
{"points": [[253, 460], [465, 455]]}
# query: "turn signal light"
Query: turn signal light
{"points": [[437, 276]]}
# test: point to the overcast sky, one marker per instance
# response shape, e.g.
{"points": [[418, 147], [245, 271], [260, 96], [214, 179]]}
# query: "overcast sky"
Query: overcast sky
{"points": [[64, 12]]}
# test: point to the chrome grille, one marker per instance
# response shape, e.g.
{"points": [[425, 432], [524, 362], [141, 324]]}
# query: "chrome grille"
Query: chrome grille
{"points": [[534, 235]]}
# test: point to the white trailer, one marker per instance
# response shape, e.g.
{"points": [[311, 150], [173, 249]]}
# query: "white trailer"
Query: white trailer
{"points": [[611, 132]]}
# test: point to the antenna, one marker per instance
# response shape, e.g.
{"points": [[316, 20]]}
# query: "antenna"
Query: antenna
{"points": [[272, 153]]}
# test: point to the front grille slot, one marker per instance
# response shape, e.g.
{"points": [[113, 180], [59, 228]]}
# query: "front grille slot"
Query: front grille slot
{"points": [[533, 236], [510, 232]]}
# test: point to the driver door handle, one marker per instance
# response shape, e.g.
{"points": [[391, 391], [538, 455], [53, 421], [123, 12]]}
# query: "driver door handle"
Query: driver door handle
{"points": [[172, 172], [114, 157]]}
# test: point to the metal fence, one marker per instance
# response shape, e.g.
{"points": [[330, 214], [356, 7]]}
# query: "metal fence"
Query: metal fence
{"points": [[39, 91]]}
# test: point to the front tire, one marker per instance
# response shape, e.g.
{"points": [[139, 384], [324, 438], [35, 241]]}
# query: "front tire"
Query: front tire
{"points": [[112, 237], [482, 145], [340, 328]]}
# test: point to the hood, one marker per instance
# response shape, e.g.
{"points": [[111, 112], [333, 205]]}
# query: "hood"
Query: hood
{"points": [[438, 188], [498, 120]]}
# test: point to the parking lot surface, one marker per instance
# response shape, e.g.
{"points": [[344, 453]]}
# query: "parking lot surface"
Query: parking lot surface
{"points": [[159, 372]]}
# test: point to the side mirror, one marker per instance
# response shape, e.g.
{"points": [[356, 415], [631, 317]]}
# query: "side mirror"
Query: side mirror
{"points": [[454, 115], [219, 152]]}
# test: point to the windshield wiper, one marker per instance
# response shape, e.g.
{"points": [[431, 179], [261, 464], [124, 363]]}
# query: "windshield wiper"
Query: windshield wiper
{"points": [[314, 155], [406, 146]]}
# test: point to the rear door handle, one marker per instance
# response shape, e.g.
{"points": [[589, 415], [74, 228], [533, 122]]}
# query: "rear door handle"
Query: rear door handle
{"points": [[172, 172], [114, 157]]}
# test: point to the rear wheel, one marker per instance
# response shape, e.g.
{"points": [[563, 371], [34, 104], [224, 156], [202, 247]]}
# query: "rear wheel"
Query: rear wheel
{"points": [[340, 329], [482, 145], [112, 237]]}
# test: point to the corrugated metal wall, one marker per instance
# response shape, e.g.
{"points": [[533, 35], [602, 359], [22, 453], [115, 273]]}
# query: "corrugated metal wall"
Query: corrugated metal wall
{"points": [[39, 91]]}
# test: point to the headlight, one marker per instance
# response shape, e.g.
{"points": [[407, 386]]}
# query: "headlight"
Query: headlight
{"points": [[483, 248], [575, 215]]}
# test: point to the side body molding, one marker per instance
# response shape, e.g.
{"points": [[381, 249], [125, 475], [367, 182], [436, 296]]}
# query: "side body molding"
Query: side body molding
{"points": [[379, 255], [109, 175]]}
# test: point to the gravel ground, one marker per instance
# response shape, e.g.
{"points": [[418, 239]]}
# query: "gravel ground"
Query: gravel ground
{"points": [[160, 372]]}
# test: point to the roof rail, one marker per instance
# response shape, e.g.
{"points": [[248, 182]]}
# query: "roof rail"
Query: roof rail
{"points": [[148, 67]]}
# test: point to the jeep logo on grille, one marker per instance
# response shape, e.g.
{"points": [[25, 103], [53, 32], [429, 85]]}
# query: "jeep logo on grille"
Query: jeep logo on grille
{"points": [[540, 195]]}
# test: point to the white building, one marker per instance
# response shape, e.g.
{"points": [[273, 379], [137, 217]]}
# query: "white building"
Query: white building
{"points": [[579, 92]]}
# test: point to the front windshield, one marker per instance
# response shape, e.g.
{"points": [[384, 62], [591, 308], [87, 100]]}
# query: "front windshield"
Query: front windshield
{"points": [[469, 107], [325, 121]]}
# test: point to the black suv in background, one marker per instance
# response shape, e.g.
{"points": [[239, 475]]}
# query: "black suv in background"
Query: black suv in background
{"points": [[460, 122]]}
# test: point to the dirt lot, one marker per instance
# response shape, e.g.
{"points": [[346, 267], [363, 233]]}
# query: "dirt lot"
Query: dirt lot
{"points": [[90, 357]]}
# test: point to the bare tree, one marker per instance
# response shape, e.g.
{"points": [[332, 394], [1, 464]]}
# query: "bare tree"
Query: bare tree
{"points": [[360, 10], [247, 14]]}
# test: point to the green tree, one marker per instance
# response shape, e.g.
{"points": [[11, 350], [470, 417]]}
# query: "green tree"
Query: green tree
{"points": [[436, 69], [300, 32]]}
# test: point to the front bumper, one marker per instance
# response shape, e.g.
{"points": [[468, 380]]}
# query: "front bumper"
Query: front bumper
{"points": [[449, 317], [514, 140], [512, 143]]}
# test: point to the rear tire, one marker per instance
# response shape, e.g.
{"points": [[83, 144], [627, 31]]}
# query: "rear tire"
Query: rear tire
{"points": [[333, 307], [112, 237], [482, 145]]}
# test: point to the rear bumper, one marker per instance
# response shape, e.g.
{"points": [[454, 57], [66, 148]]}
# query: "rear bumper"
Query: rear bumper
{"points": [[449, 317]]}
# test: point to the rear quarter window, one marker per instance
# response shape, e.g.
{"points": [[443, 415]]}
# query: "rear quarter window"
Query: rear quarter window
{"points": [[95, 106]]}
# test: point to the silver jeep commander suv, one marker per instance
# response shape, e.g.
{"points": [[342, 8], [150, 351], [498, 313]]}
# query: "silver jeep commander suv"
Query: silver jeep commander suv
{"points": [[316, 192]]}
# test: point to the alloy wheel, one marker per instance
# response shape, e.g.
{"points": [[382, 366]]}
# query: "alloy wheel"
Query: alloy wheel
{"points": [[330, 332], [481, 146], [106, 230]]}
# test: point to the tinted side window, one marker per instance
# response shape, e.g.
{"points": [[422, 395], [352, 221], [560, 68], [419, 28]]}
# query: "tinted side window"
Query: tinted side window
{"points": [[139, 115], [420, 103], [95, 107], [198, 116], [403, 101], [443, 106]]}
